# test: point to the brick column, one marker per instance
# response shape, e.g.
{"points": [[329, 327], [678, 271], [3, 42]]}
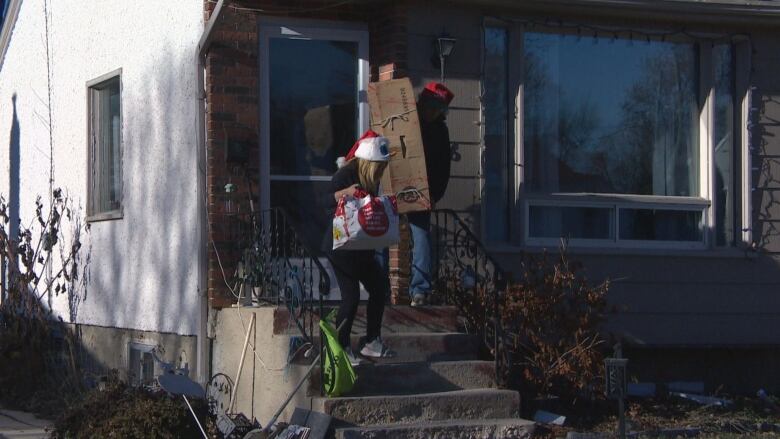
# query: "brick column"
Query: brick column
{"points": [[232, 115], [400, 257], [389, 41]]}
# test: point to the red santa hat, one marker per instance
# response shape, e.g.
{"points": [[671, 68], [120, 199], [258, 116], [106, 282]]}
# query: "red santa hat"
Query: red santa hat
{"points": [[370, 146], [438, 92]]}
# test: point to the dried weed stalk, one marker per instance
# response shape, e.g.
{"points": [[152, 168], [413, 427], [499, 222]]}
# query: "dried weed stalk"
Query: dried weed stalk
{"points": [[550, 321], [553, 316], [39, 263]]}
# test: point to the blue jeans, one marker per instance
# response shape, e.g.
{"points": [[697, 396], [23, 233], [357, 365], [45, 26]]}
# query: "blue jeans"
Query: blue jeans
{"points": [[382, 258], [420, 225]]}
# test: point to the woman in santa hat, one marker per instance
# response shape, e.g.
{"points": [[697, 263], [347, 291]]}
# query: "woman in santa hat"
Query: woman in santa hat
{"points": [[362, 168]]}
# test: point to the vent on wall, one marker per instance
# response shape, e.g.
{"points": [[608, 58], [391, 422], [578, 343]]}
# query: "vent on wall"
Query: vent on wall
{"points": [[141, 369]]}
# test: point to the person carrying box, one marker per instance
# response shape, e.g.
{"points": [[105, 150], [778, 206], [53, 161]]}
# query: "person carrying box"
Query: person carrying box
{"points": [[432, 108]]}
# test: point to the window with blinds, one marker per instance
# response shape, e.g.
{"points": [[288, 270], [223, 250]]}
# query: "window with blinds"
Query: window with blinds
{"points": [[104, 150]]}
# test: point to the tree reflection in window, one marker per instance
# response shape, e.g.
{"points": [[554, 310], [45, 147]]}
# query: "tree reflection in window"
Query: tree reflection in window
{"points": [[607, 115]]}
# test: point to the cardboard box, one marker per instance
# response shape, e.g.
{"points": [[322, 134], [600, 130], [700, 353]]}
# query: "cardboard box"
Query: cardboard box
{"points": [[394, 115]]}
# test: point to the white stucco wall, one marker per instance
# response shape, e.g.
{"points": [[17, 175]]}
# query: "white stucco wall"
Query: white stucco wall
{"points": [[143, 267]]}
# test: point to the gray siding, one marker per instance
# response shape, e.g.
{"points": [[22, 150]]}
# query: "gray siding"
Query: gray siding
{"points": [[659, 299], [426, 22], [766, 154]]}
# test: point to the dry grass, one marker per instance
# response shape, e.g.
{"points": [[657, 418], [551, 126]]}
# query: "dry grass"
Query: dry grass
{"points": [[748, 417]]}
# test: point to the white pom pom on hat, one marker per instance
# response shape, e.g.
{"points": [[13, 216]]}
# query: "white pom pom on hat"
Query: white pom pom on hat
{"points": [[374, 149], [370, 146]]}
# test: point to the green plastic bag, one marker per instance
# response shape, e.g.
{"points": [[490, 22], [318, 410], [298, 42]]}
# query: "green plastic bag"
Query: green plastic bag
{"points": [[338, 375]]}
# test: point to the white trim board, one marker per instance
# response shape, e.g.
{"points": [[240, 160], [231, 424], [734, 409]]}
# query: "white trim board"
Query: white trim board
{"points": [[7, 31]]}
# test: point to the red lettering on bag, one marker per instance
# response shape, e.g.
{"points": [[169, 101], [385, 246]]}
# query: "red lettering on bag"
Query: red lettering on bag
{"points": [[340, 207], [373, 218]]}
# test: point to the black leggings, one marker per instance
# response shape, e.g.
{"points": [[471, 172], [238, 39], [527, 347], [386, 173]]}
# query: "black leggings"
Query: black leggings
{"points": [[353, 267]]}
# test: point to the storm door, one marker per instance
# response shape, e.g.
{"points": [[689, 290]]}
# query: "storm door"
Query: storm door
{"points": [[313, 80]]}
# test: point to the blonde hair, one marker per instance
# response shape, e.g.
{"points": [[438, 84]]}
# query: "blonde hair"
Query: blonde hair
{"points": [[370, 173]]}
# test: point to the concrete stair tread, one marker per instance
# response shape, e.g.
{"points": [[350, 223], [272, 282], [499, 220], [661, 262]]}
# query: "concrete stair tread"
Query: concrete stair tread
{"points": [[412, 347], [417, 378], [390, 367], [451, 429], [392, 409], [396, 319], [465, 392]]}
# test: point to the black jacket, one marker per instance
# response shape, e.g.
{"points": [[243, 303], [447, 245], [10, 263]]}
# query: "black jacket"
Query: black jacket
{"points": [[436, 143]]}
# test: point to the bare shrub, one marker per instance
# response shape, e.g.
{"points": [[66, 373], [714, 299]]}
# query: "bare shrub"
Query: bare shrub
{"points": [[39, 368], [552, 316], [131, 412], [550, 320]]}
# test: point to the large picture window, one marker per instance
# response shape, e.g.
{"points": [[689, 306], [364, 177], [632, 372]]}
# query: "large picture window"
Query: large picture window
{"points": [[610, 116], [624, 142]]}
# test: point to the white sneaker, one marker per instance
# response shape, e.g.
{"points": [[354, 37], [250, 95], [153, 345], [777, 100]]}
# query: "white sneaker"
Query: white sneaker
{"points": [[376, 349], [419, 300], [353, 359]]}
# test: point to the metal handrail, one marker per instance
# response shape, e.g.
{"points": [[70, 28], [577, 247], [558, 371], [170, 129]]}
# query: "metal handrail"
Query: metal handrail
{"points": [[324, 289], [467, 230], [276, 266], [464, 265], [276, 260]]}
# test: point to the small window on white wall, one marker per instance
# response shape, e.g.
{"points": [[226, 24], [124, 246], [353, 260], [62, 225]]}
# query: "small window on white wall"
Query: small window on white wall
{"points": [[104, 155], [140, 370]]}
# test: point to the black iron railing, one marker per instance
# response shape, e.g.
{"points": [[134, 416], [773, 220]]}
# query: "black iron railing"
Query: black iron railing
{"points": [[273, 266], [465, 275]]}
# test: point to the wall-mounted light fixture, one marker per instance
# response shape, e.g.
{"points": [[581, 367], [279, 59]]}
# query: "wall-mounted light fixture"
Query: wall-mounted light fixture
{"points": [[445, 46]]}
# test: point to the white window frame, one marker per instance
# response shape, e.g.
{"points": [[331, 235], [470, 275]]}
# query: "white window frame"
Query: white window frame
{"points": [[617, 203], [271, 27], [92, 88], [519, 219]]}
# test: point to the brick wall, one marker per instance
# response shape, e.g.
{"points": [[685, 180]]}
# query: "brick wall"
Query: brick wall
{"points": [[232, 114], [389, 60]]}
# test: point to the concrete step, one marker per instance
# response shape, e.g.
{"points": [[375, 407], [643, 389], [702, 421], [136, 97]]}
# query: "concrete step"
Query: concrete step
{"points": [[425, 346], [396, 319], [16, 424], [411, 347], [416, 378], [384, 410], [459, 429]]}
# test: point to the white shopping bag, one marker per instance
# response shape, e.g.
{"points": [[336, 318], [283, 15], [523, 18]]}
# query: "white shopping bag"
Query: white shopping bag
{"points": [[363, 222]]}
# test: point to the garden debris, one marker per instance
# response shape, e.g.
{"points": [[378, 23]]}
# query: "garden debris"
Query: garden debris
{"points": [[180, 385], [319, 423], [549, 418], [642, 390], [704, 400], [762, 395], [294, 432], [235, 425], [768, 427], [695, 387], [577, 435], [672, 432]]}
